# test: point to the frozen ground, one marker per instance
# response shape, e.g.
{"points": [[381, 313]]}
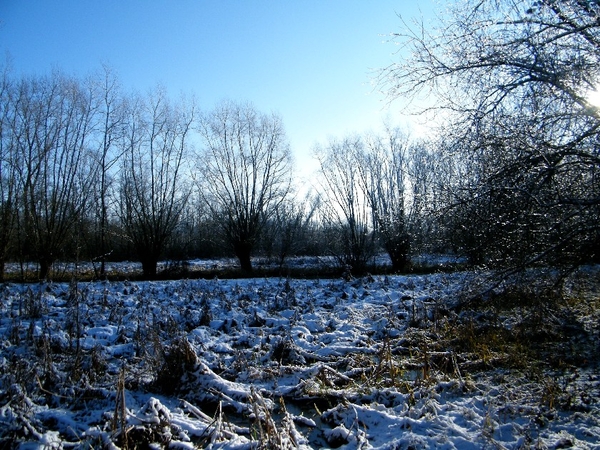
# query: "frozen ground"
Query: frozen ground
{"points": [[193, 267], [376, 362], [124, 268]]}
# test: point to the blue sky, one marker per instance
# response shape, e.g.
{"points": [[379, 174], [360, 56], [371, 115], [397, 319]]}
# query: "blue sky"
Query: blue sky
{"points": [[310, 61]]}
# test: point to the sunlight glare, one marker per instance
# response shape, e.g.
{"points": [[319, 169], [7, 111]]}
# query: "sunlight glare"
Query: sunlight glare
{"points": [[593, 97]]}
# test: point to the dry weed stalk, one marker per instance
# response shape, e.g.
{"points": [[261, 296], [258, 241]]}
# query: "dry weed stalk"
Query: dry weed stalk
{"points": [[268, 435], [119, 422]]}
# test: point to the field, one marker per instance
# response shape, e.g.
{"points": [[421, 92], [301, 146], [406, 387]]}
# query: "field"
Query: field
{"points": [[383, 362]]}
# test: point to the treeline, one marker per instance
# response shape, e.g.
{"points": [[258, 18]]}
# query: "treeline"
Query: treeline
{"points": [[511, 179], [92, 173], [89, 172]]}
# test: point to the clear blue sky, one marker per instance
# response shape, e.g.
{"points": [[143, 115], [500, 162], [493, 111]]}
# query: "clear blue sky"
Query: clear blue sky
{"points": [[310, 61]]}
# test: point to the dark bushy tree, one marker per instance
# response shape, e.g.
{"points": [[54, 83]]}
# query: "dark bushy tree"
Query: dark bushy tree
{"points": [[515, 78]]}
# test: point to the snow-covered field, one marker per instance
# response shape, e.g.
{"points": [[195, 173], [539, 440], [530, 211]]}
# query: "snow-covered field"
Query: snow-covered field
{"points": [[381, 362]]}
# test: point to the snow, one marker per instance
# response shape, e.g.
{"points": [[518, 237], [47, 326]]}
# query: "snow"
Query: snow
{"points": [[288, 363]]}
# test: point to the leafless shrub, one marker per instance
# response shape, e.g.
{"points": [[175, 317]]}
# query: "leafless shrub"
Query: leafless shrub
{"points": [[178, 359], [31, 304]]}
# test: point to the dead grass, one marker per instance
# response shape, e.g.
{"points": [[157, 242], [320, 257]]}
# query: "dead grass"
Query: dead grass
{"points": [[177, 359], [524, 323]]}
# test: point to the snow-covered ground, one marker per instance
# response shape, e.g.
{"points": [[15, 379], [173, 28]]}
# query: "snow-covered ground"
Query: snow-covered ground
{"points": [[374, 362], [133, 268]]}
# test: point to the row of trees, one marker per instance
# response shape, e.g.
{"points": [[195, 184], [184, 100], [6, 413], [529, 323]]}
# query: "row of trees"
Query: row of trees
{"points": [[86, 171], [510, 178]]}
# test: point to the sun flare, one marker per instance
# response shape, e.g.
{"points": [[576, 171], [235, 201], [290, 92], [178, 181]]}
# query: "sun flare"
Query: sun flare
{"points": [[593, 97]]}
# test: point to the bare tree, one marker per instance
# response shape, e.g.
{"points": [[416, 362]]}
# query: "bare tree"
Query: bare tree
{"points": [[246, 172], [346, 210], [110, 127], [286, 232], [8, 174], [515, 78], [382, 167], [426, 171], [52, 130], [153, 190]]}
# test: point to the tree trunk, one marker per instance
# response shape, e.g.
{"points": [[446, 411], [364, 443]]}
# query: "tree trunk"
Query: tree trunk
{"points": [[149, 267], [45, 266], [398, 252], [103, 216], [242, 251]]}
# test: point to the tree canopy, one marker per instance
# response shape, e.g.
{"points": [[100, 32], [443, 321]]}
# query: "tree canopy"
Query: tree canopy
{"points": [[515, 79]]}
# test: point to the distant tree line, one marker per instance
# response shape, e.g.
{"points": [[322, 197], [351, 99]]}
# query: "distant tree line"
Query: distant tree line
{"points": [[89, 172]]}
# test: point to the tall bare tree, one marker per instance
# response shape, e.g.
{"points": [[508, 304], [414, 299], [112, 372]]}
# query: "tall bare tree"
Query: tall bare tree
{"points": [[110, 126], [426, 176], [516, 78], [52, 126], [153, 190], [382, 167], [8, 178], [346, 211], [246, 170]]}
